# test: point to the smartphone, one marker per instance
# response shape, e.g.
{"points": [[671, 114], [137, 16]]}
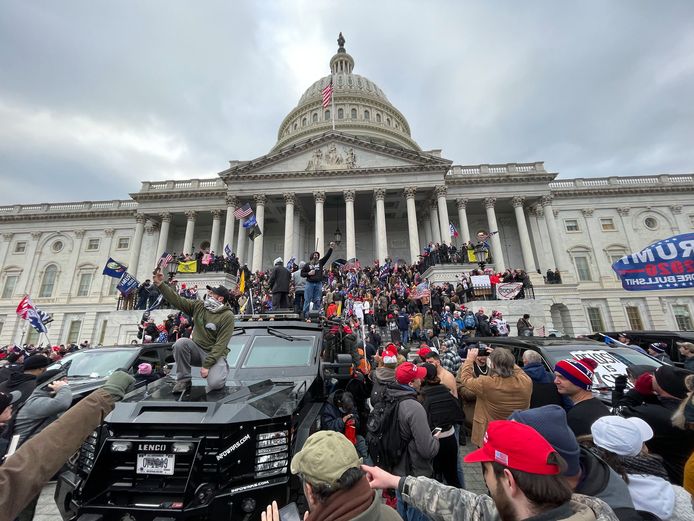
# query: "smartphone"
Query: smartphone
{"points": [[289, 513], [436, 431]]}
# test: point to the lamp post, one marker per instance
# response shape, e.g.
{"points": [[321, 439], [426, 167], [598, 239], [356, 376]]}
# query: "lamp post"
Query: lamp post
{"points": [[481, 254], [337, 238]]}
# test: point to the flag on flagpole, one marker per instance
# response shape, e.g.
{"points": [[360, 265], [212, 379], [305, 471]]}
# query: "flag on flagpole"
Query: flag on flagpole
{"points": [[227, 251], [127, 284], [188, 267], [242, 282], [250, 222], [454, 231], [327, 93], [165, 259], [114, 268], [421, 290], [243, 211], [27, 311], [255, 232]]}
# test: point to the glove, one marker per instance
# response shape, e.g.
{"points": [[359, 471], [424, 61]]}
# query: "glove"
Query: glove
{"points": [[644, 384], [620, 383], [119, 384]]}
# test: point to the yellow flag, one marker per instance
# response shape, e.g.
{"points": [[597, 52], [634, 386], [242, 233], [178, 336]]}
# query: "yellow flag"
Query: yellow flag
{"points": [[188, 267], [471, 257], [242, 284]]}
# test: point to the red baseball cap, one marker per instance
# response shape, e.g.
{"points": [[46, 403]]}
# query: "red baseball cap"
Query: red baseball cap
{"points": [[516, 446], [407, 372], [423, 351]]}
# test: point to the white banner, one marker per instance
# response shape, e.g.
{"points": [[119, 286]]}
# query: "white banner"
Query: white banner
{"points": [[480, 281], [508, 290]]}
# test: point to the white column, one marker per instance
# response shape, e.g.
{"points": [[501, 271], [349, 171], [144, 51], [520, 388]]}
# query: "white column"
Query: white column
{"points": [[163, 233], [444, 221], [298, 237], [349, 217], [526, 248], [462, 219], [497, 256], [289, 200], [241, 243], [190, 230], [413, 233], [214, 236], [382, 236], [258, 242], [137, 244], [319, 197], [232, 203], [554, 239], [435, 228], [426, 236]]}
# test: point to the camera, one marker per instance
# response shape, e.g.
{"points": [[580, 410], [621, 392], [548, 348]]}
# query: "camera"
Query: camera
{"points": [[483, 351]]}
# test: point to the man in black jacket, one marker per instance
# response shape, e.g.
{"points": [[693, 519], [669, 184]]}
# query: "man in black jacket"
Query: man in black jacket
{"points": [[313, 273], [279, 285], [25, 381]]}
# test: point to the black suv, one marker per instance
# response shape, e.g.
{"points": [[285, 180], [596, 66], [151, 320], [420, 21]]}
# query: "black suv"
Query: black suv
{"points": [[218, 455], [644, 338]]}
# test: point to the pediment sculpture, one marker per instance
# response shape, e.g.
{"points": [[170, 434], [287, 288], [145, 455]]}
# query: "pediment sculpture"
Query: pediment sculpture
{"points": [[331, 159]]}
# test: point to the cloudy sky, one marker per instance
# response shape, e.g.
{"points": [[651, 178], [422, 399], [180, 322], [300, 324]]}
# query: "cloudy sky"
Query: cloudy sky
{"points": [[98, 96]]}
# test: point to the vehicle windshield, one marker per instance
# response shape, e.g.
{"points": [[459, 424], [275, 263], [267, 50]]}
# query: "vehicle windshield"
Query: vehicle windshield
{"points": [[96, 363], [278, 351]]}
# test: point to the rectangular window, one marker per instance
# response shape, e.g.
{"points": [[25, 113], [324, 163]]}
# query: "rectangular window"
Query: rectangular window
{"points": [[583, 268], [73, 333], [93, 244], [113, 282], [571, 225], [10, 284], [607, 224], [2, 325], [595, 319], [683, 317], [20, 246], [85, 284], [123, 243], [102, 334], [634, 317]]}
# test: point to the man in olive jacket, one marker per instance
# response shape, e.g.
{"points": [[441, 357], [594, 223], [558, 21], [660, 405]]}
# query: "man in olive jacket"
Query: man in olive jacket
{"points": [[213, 326]]}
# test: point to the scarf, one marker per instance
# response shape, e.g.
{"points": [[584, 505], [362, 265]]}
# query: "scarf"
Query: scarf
{"points": [[344, 504], [650, 464]]}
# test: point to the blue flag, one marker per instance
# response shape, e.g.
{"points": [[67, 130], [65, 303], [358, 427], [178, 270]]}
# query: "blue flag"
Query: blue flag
{"points": [[127, 284], [227, 251], [250, 222], [114, 268], [666, 264]]}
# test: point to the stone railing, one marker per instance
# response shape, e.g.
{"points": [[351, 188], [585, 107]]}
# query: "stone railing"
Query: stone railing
{"points": [[188, 184], [621, 182], [84, 206], [507, 168]]}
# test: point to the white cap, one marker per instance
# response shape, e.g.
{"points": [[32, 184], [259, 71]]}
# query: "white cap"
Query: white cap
{"points": [[623, 436], [278, 260]]}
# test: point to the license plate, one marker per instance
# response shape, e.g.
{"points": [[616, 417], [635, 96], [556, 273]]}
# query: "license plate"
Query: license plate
{"points": [[162, 464]]}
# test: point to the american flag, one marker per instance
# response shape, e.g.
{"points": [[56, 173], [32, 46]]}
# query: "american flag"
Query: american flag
{"points": [[244, 211], [27, 311], [327, 94], [454, 231], [421, 290], [165, 259]]}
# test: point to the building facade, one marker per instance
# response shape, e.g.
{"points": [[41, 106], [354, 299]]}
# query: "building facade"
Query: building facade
{"points": [[352, 167]]}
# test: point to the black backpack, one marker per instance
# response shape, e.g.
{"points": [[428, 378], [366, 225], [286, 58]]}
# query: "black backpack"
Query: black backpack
{"points": [[385, 444], [441, 407]]}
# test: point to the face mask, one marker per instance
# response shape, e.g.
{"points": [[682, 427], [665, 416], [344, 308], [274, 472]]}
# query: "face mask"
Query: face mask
{"points": [[212, 304]]}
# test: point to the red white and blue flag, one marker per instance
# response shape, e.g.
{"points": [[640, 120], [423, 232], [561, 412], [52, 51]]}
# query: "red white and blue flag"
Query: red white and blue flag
{"points": [[37, 318], [164, 260], [454, 231], [327, 93], [243, 211], [421, 290]]}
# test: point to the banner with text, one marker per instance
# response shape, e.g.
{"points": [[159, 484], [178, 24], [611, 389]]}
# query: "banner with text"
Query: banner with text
{"points": [[666, 264], [508, 290]]}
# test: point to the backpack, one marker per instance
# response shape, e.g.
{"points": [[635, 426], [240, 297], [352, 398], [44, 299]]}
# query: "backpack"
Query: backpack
{"points": [[384, 442], [470, 322], [441, 407]]}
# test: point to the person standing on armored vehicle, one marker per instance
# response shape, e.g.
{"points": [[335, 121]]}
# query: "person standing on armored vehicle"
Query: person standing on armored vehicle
{"points": [[213, 325]]}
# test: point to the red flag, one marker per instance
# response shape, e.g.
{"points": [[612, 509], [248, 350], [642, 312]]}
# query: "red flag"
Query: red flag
{"points": [[327, 94]]}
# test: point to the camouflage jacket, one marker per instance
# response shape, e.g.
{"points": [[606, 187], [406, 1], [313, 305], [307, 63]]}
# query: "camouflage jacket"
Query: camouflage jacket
{"points": [[442, 503]]}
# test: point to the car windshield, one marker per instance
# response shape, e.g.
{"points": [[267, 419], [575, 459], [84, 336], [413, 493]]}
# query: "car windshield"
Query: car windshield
{"points": [[278, 351], [96, 363], [612, 362]]}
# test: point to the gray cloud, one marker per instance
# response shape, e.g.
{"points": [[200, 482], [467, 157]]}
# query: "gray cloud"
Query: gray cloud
{"points": [[96, 97]]}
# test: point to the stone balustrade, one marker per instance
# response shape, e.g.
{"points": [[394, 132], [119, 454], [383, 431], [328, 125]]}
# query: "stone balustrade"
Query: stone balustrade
{"points": [[67, 207], [187, 184], [507, 168], [625, 182]]}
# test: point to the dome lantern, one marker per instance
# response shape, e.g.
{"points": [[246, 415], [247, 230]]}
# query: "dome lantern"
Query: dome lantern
{"points": [[341, 63]]}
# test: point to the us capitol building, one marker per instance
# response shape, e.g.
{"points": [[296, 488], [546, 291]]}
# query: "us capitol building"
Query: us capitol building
{"points": [[369, 178]]}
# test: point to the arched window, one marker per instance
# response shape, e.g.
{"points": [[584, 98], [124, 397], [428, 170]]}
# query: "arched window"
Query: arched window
{"points": [[378, 118], [354, 113], [327, 115], [48, 281], [388, 121], [296, 126], [340, 114], [303, 122], [367, 115], [315, 117]]}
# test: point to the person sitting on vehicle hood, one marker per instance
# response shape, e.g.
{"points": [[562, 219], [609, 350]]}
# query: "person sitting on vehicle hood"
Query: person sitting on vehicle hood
{"points": [[334, 484], [25, 381]]}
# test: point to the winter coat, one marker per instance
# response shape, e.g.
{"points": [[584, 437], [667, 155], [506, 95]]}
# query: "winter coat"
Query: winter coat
{"points": [[40, 410], [497, 397], [443, 503], [25, 383], [279, 279], [211, 330], [299, 281], [422, 447], [544, 390]]}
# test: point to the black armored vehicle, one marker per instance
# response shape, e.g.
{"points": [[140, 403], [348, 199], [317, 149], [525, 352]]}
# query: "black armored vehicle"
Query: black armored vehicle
{"points": [[218, 455]]}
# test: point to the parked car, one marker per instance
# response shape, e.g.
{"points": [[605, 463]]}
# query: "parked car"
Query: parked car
{"points": [[612, 361], [643, 338], [88, 369]]}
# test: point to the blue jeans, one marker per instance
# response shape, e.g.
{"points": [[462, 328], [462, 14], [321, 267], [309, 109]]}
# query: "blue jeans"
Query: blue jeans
{"points": [[408, 512], [405, 336], [313, 292], [459, 463]]}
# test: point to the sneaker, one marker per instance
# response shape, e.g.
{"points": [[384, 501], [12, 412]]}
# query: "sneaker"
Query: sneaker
{"points": [[181, 386]]}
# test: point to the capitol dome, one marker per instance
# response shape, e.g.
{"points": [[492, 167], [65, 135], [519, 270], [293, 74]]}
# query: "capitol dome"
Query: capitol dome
{"points": [[361, 109]]}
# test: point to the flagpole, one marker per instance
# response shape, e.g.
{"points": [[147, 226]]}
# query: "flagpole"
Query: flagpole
{"points": [[332, 101]]}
